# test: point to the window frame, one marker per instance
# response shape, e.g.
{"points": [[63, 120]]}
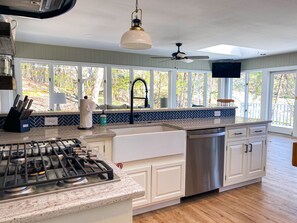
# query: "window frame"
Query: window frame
{"points": [[108, 82]]}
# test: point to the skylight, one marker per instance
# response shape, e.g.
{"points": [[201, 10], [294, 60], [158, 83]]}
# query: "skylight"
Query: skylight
{"points": [[232, 50]]}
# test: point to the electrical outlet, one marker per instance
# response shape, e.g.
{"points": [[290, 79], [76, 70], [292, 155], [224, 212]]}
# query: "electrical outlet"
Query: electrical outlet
{"points": [[217, 113], [51, 121]]}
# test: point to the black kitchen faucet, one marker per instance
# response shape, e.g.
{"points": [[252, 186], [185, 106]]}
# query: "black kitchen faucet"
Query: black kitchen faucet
{"points": [[132, 98]]}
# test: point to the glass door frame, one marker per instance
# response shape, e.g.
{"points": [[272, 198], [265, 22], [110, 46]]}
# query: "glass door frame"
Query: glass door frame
{"points": [[278, 129]]}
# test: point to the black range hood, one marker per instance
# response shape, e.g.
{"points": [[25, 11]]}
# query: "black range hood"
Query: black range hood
{"points": [[40, 9]]}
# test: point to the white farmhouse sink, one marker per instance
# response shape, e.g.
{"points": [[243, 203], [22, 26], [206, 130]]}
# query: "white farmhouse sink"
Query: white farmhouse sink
{"points": [[136, 143]]}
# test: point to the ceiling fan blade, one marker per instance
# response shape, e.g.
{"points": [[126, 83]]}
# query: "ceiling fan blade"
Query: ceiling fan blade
{"points": [[161, 58], [198, 57], [187, 60]]}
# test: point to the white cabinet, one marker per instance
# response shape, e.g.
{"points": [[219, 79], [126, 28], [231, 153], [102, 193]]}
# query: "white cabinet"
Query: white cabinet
{"points": [[245, 157], [100, 146], [256, 158], [162, 181], [167, 181], [142, 175], [235, 162]]}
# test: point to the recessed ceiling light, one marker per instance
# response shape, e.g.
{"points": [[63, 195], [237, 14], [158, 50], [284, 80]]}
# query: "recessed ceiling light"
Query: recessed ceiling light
{"points": [[232, 50]]}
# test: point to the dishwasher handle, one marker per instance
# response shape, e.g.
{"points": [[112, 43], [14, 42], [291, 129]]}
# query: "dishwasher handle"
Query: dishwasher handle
{"points": [[206, 135]]}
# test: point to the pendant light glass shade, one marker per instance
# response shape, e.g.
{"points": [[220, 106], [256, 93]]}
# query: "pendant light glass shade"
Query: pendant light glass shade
{"points": [[136, 38]]}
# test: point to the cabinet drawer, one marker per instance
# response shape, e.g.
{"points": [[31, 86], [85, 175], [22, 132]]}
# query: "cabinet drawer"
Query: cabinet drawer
{"points": [[257, 130], [237, 133]]}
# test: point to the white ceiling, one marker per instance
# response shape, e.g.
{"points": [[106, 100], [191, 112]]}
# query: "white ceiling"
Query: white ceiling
{"points": [[268, 25]]}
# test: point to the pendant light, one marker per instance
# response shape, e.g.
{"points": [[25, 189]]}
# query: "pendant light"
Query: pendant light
{"points": [[136, 38]]}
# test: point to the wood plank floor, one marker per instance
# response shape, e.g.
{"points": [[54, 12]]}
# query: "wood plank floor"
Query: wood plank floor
{"points": [[273, 200]]}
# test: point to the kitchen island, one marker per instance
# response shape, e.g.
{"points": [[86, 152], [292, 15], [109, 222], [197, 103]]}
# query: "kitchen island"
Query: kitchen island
{"points": [[107, 200]]}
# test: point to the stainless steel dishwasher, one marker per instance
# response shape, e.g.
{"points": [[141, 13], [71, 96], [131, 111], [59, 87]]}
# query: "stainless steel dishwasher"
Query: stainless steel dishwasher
{"points": [[204, 160]]}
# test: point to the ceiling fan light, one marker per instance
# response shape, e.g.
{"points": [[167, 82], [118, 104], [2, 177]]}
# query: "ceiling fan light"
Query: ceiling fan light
{"points": [[186, 60], [136, 40]]}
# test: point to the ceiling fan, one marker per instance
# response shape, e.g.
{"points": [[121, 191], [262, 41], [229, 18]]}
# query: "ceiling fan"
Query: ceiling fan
{"points": [[181, 56]]}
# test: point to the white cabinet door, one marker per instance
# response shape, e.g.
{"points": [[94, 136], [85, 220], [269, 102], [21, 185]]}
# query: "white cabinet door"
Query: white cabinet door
{"points": [[256, 158], [235, 162], [168, 181], [97, 147], [142, 175]]}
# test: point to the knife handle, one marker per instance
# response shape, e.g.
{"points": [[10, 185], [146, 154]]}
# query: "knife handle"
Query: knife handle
{"points": [[30, 103], [17, 97]]}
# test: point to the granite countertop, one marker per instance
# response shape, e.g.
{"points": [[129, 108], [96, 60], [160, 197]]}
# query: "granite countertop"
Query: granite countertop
{"points": [[105, 132], [192, 124], [51, 205]]}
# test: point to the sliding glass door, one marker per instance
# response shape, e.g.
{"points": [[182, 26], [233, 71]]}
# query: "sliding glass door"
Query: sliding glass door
{"points": [[282, 101], [247, 92]]}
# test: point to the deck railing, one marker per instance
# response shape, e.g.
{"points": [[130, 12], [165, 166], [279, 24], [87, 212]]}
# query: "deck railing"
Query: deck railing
{"points": [[282, 114]]}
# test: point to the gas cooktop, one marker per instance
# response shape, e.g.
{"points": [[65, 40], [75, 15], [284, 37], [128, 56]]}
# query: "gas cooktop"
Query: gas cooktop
{"points": [[35, 168]]}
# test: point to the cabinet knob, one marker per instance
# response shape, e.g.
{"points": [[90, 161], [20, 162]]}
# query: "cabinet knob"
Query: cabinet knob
{"points": [[246, 148], [119, 165]]}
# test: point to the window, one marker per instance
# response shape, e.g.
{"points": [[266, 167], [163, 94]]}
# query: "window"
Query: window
{"points": [[182, 81], [139, 89], [65, 81], [42, 79], [246, 92], [120, 79], [36, 84], [161, 81], [93, 83], [197, 89], [212, 90]]}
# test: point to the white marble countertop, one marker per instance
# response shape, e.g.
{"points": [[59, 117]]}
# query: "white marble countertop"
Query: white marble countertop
{"points": [[34, 209]]}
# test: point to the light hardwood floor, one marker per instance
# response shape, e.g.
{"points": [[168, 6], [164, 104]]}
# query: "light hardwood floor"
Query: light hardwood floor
{"points": [[272, 200]]}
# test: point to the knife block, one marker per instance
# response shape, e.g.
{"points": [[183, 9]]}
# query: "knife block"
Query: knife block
{"points": [[13, 123]]}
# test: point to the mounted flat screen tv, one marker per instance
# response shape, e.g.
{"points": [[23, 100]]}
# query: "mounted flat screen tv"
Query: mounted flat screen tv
{"points": [[226, 70]]}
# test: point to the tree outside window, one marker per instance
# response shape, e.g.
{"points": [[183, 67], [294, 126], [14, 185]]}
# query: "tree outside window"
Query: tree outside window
{"points": [[35, 83], [93, 83], [120, 79], [66, 81], [161, 81]]}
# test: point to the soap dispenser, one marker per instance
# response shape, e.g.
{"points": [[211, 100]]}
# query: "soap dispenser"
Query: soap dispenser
{"points": [[103, 119]]}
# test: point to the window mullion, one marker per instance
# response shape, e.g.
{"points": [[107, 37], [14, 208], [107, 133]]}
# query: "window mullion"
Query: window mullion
{"points": [[152, 100], [51, 86], [189, 89]]}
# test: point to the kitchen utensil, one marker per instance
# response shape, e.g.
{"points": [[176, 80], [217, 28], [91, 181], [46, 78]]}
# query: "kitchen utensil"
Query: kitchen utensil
{"points": [[30, 103], [17, 97], [19, 106], [26, 101]]}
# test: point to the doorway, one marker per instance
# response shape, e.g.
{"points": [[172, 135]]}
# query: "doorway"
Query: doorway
{"points": [[247, 94], [282, 106]]}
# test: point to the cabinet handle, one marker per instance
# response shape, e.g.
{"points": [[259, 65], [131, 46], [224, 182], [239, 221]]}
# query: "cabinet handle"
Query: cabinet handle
{"points": [[238, 133], [246, 148], [258, 131], [251, 148]]}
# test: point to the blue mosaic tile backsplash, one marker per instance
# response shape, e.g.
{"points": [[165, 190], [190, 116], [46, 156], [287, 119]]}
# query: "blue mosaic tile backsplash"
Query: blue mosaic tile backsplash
{"points": [[38, 121]]}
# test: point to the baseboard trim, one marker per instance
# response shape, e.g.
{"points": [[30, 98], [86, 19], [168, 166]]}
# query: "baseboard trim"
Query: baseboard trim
{"points": [[156, 206], [233, 186]]}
